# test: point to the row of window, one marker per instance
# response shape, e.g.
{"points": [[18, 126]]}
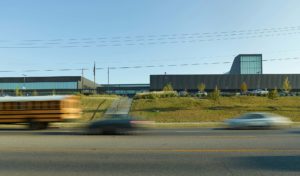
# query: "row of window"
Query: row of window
{"points": [[36, 105], [251, 65], [39, 85]]}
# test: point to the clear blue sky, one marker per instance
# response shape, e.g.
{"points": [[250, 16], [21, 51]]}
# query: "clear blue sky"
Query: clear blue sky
{"points": [[73, 33]]}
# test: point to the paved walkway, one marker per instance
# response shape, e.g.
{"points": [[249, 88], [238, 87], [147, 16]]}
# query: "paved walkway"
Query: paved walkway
{"points": [[119, 107]]}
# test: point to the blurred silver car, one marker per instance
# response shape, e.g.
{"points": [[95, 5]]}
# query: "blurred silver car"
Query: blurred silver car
{"points": [[258, 120]]}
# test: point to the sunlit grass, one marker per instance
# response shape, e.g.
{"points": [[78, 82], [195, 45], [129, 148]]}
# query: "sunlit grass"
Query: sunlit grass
{"points": [[190, 109]]}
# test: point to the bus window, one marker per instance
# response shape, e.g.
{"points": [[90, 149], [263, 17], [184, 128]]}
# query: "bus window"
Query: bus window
{"points": [[29, 105], [44, 105], [36, 105], [7, 106]]}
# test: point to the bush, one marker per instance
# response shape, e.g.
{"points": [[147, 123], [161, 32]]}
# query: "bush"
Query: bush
{"points": [[35, 93], [201, 87], [244, 88], [273, 94], [153, 95], [168, 87], [215, 95], [18, 92]]}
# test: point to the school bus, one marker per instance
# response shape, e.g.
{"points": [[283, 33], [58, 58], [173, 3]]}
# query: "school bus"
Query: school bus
{"points": [[39, 111]]}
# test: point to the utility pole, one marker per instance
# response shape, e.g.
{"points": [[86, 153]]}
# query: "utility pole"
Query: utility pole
{"points": [[94, 71], [107, 79], [82, 83], [24, 81], [24, 84]]}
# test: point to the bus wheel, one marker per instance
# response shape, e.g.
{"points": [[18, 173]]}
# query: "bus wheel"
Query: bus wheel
{"points": [[37, 125]]}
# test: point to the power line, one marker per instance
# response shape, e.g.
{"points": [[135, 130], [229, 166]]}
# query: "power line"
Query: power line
{"points": [[147, 66], [151, 39]]}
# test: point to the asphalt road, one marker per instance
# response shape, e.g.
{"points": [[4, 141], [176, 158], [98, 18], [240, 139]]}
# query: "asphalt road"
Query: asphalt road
{"points": [[176, 152]]}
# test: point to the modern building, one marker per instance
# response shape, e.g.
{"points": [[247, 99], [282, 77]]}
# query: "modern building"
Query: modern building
{"points": [[226, 82], [123, 89], [246, 68], [247, 64], [46, 85]]}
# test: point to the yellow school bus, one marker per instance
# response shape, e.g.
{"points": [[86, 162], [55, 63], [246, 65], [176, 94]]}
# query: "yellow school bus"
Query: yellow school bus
{"points": [[39, 111]]}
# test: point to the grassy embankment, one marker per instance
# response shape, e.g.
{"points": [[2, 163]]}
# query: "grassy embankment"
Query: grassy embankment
{"points": [[94, 107], [190, 109]]}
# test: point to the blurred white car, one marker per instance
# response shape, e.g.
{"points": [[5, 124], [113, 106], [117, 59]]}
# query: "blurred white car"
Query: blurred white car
{"points": [[259, 119], [258, 92]]}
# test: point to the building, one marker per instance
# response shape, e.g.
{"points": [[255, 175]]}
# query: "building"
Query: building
{"points": [[226, 82], [247, 64], [246, 68], [123, 89], [46, 85]]}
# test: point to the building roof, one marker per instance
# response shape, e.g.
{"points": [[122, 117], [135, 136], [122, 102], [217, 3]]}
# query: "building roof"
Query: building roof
{"points": [[33, 98]]}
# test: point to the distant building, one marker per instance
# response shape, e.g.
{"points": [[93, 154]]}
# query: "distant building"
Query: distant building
{"points": [[45, 85], [225, 82], [247, 64], [246, 68], [123, 89]]}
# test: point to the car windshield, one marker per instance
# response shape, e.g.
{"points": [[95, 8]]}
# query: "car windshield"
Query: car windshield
{"points": [[252, 116]]}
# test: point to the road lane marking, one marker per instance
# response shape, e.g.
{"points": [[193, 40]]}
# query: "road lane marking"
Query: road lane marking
{"points": [[158, 150]]}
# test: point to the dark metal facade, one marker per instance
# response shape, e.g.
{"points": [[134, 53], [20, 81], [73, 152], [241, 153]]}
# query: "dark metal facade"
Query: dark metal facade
{"points": [[40, 79], [225, 82]]}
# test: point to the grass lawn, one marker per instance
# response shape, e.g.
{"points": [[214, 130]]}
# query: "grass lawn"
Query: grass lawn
{"points": [[190, 109], [94, 107]]}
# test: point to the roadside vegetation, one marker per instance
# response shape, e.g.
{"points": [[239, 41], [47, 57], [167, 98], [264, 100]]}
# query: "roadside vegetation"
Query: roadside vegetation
{"points": [[195, 109], [94, 106]]}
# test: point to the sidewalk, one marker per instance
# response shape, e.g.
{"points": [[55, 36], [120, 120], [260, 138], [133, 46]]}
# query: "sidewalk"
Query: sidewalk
{"points": [[119, 107]]}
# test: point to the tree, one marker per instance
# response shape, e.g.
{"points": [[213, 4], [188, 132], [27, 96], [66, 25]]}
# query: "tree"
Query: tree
{"points": [[287, 87], [35, 93], [273, 94], [18, 92], [244, 88], [201, 87], [215, 95], [168, 87]]}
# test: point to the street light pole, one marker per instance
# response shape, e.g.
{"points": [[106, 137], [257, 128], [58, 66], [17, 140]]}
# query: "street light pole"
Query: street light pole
{"points": [[24, 84], [82, 83], [24, 81], [108, 80]]}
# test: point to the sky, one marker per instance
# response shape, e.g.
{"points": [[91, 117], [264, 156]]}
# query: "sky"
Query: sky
{"points": [[62, 37]]}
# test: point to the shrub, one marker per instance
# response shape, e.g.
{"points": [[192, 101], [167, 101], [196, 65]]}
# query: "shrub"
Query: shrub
{"points": [[168, 87], [35, 93], [153, 95], [201, 87], [244, 88], [287, 87], [215, 95], [273, 94], [18, 92]]}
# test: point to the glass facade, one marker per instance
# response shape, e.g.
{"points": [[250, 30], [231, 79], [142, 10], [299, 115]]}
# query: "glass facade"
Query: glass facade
{"points": [[247, 64], [251, 64], [38, 85]]}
